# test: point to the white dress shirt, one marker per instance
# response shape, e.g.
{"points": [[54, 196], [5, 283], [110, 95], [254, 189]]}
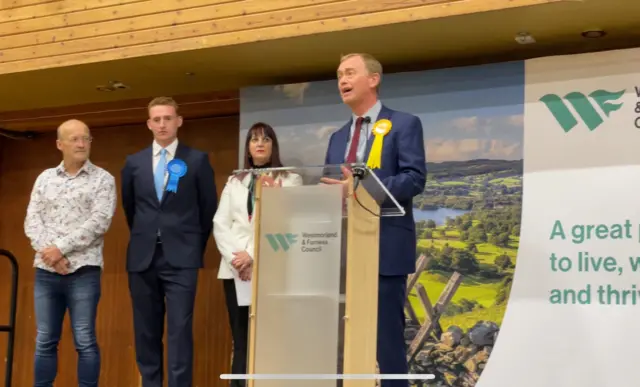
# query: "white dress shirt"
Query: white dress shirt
{"points": [[365, 131], [171, 153]]}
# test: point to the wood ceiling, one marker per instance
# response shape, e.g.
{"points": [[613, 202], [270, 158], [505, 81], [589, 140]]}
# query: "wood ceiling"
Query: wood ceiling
{"points": [[441, 42]]}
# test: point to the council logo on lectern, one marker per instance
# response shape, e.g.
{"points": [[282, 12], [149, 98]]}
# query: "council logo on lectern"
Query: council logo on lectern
{"points": [[281, 241]]}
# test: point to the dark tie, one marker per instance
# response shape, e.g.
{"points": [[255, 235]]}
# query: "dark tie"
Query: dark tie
{"points": [[353, 150]]}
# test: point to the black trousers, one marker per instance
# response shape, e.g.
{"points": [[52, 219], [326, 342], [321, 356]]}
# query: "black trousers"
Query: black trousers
{"points": [[239, 322]]}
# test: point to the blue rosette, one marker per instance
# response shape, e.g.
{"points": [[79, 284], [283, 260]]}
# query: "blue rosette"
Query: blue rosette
{"points": [[176, 169]]}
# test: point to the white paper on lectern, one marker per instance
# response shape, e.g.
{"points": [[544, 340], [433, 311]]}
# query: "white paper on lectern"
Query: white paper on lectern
{"points": [[243, 290]]}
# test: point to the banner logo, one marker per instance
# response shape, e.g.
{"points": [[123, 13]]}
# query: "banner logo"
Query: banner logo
{"points": [[583, 106], [284, 241]]}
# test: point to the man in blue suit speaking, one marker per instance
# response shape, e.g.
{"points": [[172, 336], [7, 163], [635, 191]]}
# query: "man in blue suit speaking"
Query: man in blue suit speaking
{"points": [[169, 198], [402, 170]]}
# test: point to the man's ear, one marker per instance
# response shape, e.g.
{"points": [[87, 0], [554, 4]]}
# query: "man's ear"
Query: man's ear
{"points": [[374, 80]]}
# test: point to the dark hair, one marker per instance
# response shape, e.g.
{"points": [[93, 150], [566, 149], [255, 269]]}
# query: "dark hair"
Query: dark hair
{"points": [[267, 131]]}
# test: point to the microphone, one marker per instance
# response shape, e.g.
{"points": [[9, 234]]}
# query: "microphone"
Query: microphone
{"points": [[359, 172]]}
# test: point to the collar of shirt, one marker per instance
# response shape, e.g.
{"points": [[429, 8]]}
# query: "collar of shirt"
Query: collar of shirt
{"points": [[171, 149], [372, 113], [87, 167]]}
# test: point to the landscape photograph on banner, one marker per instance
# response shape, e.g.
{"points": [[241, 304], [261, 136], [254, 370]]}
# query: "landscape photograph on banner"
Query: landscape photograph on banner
{"points": [[468, 216]]}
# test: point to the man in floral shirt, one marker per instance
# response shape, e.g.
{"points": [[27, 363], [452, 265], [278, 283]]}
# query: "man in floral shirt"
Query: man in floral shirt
{"points": [[70, 210]]}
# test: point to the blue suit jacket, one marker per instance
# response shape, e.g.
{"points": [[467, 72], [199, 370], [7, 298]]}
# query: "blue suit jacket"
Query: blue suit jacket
{"points": [[184, 218], [403, 171]]}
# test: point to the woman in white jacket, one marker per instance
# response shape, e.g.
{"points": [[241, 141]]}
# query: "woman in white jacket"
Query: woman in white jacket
{"points": [[233, 229]]}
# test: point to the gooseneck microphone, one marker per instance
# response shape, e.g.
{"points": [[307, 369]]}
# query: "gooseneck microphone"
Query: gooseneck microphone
{"points": [[359, 172]]}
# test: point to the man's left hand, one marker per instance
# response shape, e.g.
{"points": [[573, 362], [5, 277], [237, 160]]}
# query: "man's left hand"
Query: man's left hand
{"points": [[62, 266], [345, 181], [51, 255]]}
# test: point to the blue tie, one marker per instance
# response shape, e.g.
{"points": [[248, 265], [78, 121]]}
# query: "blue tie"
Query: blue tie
{"points": [[159, 174]]}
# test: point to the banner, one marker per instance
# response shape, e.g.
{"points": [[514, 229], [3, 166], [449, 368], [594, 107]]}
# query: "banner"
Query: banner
{"points": [[574, 301], [544, 288]]}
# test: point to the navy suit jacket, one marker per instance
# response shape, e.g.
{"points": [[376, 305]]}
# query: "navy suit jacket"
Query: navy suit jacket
{"points": [[403, 171], [184, 218]]}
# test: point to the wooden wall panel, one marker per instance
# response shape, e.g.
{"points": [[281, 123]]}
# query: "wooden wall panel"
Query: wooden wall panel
{"points": [[68, 32], [102, 114], [21, 162]]}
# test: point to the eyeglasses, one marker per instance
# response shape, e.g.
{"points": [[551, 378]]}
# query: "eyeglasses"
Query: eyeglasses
{"points": [[85, 139]]}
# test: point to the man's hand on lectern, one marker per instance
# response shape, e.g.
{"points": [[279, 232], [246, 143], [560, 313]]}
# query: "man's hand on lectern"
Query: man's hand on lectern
{"points": [[346, 172]]}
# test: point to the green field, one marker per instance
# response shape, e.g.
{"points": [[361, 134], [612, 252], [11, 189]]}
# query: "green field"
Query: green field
{"points": [[482, 244], [473, 287], [454, 183], [470, 289], [509, 181], [486, 254]]}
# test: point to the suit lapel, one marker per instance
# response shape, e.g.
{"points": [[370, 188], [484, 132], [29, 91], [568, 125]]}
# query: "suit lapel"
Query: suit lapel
{"points": [[384, 113], [342, 138], [148, 174], [180, 153]]}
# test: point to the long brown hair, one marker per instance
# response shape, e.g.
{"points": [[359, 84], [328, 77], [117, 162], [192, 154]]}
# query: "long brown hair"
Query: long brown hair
{"points": [[264, 129]]}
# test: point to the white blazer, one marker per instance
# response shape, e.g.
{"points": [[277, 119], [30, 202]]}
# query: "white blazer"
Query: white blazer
{"points": [[232, 229]]}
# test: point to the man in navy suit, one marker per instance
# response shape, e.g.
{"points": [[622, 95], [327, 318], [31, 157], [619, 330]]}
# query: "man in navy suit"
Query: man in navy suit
{"points": [[403, 172], [169, 198]]}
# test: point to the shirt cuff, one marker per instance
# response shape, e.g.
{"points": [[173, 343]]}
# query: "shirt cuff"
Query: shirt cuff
{"points": [[63, 246]]}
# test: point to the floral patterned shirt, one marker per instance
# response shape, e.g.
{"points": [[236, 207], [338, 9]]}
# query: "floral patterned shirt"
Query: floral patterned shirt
{"points": [[71, 212]]}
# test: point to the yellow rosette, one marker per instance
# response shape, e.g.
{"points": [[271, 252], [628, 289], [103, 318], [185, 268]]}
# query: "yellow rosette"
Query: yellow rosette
{"points": [[380, 129]]}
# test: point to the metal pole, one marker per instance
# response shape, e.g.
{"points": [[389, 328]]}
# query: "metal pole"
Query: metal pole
{"points": [[11, 328]]}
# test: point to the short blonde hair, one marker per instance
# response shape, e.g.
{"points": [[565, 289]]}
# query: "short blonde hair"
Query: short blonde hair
{"points": [[163, 101]]}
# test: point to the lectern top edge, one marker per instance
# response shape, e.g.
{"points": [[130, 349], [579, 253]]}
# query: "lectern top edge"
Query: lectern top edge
{"points": [[364, 178]]}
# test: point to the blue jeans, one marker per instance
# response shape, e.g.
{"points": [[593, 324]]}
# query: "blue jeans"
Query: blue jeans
{"points": [[54, 293]]}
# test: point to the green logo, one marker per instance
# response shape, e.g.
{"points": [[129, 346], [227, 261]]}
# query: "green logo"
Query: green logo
{"points": [[284, 241], [583, 107]]}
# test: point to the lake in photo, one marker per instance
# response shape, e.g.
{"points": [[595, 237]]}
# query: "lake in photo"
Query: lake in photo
{"points": [[439, 215]]}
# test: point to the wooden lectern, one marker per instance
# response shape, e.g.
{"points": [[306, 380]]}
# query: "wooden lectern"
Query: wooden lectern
{"points": [[314, 290]]}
